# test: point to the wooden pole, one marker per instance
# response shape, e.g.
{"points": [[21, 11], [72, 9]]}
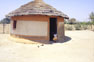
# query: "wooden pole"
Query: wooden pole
{"points": [[3, 28]]}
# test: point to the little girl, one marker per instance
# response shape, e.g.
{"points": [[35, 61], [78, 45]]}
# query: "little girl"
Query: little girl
{"points": [[55, 37]]}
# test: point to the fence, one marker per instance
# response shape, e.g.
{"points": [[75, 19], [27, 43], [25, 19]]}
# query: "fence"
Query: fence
{"points": [[4, 28]]}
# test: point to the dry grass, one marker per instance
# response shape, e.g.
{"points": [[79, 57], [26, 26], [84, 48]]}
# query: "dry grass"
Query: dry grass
{"points": [[80, 27]]}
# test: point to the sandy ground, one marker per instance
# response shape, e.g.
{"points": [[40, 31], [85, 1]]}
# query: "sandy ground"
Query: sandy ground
{"points": [[78, 48]]}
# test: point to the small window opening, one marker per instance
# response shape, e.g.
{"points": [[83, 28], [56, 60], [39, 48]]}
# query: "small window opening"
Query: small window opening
{"points": [[14, 24]]}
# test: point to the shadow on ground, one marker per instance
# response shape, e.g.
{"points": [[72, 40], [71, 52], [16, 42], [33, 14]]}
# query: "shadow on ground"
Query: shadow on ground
{"points": [[67, 39], [30, 41]]}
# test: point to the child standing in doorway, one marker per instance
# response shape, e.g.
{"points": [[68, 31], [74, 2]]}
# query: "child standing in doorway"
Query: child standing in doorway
{"points": [[55, 38]]}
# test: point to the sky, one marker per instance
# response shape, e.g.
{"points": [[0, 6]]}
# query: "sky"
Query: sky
{"points": [[79, 9]]}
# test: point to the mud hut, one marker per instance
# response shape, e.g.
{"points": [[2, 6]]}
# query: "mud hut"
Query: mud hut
{"points": [[37, 21]]}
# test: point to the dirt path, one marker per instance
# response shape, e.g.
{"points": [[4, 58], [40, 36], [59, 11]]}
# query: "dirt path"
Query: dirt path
{"points": [[79, 48]]}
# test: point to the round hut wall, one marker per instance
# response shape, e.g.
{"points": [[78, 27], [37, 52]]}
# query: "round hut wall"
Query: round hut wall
{"points": [[36, 27]]}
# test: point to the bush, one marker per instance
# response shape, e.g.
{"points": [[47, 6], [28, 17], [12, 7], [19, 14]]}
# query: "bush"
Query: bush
{"points": [[93, 22], [84, 27], [77, 27], [89, 23], [69, 27]]}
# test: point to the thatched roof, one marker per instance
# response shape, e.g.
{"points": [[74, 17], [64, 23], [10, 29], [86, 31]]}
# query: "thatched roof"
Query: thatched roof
{"points": [[37, 7]]}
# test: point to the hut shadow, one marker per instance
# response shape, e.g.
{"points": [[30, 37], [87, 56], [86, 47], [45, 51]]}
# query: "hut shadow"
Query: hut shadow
{"points": [[67, 39], [29, 41]]}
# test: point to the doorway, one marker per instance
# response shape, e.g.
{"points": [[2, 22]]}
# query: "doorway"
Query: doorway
{"points": [[53, 28]]}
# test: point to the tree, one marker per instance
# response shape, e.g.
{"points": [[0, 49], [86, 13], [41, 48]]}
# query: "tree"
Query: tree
{"points": [[92, 19], [72, 21], [5, 21], [92, 16]]}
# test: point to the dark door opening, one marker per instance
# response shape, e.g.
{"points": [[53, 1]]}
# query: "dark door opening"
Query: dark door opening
{"points": [[14, 24], [53, 27]]}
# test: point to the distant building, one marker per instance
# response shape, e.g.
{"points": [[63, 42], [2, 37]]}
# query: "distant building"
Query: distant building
{"points": [[37, 21]]}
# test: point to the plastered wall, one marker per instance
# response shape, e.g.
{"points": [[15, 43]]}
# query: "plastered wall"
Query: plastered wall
{"points": [[61, 31], [32, 28], [36, 26]]}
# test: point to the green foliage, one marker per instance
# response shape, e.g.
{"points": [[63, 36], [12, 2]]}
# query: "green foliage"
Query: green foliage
{"points": [[72, 21], [5, 21], [92, 22], [89, 23], [92, 16], [83, 23]]}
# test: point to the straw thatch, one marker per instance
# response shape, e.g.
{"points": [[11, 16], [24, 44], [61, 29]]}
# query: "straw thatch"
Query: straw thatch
{"points": [[37, 8]]}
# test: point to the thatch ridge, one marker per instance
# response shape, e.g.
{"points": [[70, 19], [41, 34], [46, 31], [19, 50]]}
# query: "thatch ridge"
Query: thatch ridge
{"points": [[37, 8]]}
